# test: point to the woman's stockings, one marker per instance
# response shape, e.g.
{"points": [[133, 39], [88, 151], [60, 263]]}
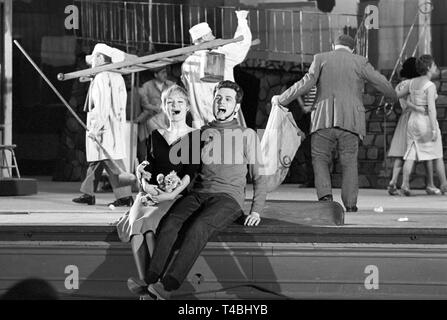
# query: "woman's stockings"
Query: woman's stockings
{"points": [[140, 254]]}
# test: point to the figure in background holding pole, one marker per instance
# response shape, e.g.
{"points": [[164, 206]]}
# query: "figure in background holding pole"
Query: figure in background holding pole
{"points": [[106, 115]]}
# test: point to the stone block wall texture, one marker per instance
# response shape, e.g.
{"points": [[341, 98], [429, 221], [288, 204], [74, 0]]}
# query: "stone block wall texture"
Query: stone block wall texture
{"points": [[375, 168]]}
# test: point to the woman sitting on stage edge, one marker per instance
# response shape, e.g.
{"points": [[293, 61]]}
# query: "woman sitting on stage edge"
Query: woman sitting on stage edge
{"points": [[139, 224], [423, 133], [398, 145]]}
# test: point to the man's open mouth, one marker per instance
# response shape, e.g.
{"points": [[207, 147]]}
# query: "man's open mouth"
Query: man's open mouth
{"points": [[221, 111], [176, 112]]}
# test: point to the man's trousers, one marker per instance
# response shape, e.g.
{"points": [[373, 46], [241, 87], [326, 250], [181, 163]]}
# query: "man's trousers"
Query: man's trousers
{"points": [[87, 186], [347, 143], [207, 213]]}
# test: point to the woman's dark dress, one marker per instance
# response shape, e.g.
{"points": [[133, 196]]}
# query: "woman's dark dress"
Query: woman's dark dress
{"points": [[141, 219]]}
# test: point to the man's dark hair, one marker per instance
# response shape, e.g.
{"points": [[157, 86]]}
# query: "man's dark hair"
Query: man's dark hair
{"points": [[107, 59], [231, 85], [409, 69], [424, 63], [154, 71]]}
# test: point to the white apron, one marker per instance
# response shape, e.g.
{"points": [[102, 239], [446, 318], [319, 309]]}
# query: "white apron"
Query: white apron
{"points": [[106, 106]]}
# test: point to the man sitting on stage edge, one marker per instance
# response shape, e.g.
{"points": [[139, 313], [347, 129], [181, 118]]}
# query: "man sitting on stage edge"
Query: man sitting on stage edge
{"points": [[217, 197], [106, 115]]}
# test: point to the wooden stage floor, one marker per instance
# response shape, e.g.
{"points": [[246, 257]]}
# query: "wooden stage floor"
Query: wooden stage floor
{"points": [[53, 206], [52, 210], [42, 234]]}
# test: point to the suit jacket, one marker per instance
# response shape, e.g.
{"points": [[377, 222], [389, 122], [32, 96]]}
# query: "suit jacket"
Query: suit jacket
{"points": [[340, 77]]}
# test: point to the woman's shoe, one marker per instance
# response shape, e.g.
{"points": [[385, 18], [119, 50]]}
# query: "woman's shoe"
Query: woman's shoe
{"points": [[444, 189], [433, 191], [405, 191], [392, 190]]}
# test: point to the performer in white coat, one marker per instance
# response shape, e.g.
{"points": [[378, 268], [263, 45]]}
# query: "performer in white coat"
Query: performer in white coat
{"points": [[201, 92], [106, 116]]}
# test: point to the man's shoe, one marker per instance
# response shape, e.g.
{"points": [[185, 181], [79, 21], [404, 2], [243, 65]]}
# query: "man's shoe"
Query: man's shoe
{"points": [[405, 191], [122, 202], [326, 198], [352, 209], [392, 190], [148, 296], [85, 198], [158, 290], [137, 286], [433, 191]]}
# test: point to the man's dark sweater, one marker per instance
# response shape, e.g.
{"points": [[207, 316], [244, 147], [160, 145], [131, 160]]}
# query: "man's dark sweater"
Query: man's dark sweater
{"points": [[227, 152]]}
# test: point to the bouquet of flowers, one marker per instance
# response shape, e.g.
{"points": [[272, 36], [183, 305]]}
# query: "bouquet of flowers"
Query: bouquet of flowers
{"points": [[166, 183]]}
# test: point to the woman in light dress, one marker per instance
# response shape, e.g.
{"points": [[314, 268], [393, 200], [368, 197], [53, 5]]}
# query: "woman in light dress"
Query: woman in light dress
{"points": [[398, 145], [139, 224], [423, 133]]}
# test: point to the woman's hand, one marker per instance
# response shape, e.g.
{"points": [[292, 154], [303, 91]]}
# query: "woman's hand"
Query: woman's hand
{"points": [[162, 196], [414, 107], [141, 173], [301, 134], [420, 109], [142, 165]]}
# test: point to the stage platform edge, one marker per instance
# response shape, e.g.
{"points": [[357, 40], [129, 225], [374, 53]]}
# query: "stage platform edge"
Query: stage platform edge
{"points": [[239, 270], [17, 187]]}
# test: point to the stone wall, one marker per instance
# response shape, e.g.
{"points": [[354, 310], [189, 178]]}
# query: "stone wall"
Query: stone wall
{"points": [[274, 77], [374, 167], [72, 162]]}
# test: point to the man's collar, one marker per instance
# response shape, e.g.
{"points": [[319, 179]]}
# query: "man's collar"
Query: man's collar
{"points": [[341, 47], [218, 124]]}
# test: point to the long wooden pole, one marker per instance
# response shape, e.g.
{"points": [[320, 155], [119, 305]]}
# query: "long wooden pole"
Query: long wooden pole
{"points": [[146, 59], [131, 124]]}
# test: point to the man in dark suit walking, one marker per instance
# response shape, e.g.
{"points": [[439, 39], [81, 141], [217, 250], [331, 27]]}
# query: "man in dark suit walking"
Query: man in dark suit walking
{"points": [[338, 115]]}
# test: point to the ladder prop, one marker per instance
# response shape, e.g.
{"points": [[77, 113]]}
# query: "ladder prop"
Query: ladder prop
{"points": [[152, 61]]}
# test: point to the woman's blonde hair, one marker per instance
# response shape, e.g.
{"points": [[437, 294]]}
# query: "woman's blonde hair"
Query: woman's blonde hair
{"points": [[170, 91]]}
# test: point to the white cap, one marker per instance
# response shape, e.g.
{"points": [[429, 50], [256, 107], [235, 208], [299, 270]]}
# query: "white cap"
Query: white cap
{"points": [[115, 54], [199, 30]]}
